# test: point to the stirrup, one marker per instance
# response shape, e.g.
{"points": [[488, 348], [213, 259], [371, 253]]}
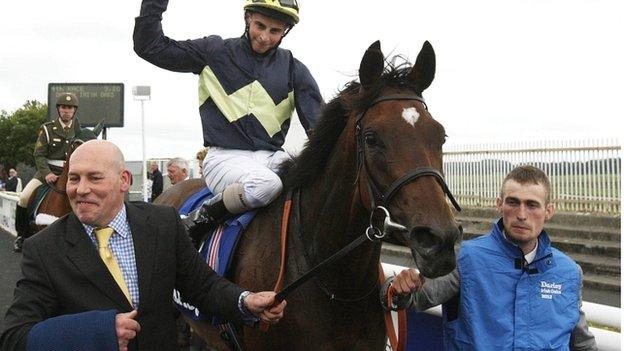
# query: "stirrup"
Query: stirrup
{"points": [[212, 211], [196, 229]]}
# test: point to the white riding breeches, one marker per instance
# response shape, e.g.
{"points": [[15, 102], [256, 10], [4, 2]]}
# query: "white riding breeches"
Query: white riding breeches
{"points": [[255, 170]]}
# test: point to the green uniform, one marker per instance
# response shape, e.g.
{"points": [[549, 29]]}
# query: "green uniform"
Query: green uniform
{"points": [[52, 145]]}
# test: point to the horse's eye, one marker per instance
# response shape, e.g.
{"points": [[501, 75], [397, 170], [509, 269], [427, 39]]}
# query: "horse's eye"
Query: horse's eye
{"points": [[370, 139]]}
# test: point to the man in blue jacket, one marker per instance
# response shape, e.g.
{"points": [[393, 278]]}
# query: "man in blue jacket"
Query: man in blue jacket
{"points": [[248, 90], [511, 290]]}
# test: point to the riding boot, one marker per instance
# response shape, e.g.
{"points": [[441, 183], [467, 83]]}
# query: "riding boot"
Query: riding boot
{"points": [[21, 227], [212, 212]]}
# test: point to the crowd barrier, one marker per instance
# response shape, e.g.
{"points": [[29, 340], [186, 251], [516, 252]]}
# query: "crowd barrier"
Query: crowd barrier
{"points": [[7, 210]]}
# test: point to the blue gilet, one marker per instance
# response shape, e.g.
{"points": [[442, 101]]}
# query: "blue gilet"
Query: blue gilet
{"points": [[506, 304]]}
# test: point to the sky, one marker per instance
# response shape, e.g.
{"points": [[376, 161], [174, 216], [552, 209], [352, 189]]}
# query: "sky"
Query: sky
{"points": [[506, 70]]}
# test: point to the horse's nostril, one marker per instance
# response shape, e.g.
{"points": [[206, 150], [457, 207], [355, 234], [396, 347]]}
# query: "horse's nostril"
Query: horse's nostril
{"points": [[425, 238]]}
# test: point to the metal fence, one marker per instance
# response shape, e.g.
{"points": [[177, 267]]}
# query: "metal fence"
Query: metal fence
{"points": [[585, 175]]}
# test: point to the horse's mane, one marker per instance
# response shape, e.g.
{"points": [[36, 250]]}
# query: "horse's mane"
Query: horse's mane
{"points": [[308, 166]]}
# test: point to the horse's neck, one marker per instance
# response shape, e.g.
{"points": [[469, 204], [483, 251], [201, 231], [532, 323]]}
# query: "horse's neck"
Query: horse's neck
{"points": [[61, 182], [331, 217]]}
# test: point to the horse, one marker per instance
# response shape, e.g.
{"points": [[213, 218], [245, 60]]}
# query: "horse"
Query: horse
{"points": [[55, 203], [374, 144]]}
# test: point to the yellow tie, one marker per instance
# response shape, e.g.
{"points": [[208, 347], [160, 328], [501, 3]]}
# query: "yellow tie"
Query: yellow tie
{"points": [[103, 235]]}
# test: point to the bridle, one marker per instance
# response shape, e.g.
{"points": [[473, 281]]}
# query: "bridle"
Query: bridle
{"points": [[379, 199], [373, 233]]}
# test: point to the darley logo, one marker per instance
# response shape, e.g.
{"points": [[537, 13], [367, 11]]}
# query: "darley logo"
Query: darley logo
{"points": [[548, 289]]}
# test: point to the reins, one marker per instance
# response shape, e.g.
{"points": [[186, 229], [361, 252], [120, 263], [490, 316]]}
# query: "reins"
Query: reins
{"points": [[281, 295], [57, 190], [398, 341]]}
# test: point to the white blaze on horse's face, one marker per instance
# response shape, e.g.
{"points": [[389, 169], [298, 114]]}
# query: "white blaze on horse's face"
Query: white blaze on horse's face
{"points": [[410, 115]]}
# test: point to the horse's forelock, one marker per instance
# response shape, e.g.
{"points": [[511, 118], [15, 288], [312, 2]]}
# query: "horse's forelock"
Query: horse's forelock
{"points": [[395, 76]]}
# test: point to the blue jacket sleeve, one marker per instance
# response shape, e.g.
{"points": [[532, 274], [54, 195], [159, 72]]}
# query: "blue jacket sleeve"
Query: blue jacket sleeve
{"points": [[87, 331], [151, 44], [308, 99]]}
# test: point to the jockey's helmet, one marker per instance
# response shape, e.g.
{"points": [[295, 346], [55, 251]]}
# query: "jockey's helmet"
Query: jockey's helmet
{"points": [[68, 99], [283, 10]]}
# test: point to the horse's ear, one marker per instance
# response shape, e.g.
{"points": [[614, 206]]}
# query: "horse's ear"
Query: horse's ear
{"points": [[372, 65], [98, 128], [423, 71]]}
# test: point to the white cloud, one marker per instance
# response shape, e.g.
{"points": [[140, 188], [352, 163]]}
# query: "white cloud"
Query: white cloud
{"points": [[527, 69]]}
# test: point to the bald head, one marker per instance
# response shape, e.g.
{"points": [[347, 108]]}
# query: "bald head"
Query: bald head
{"points": [[104, 151], [97, 182]]}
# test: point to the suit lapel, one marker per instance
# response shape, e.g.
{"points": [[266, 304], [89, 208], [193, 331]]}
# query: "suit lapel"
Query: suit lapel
{"points": [[144, 237], [86, 259]]}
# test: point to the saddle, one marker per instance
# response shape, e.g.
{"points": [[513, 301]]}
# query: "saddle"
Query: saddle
{"points": [[216, 248], [38, 196]]}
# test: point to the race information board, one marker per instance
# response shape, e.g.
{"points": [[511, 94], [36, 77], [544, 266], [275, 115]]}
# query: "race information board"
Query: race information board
{"points": [[96, 102]]}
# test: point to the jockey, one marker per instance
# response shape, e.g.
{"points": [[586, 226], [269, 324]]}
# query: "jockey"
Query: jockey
{"points": [[248, 89], [50, 152]]}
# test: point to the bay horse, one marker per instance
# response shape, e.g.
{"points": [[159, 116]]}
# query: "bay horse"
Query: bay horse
{"points": [[376, 137]]}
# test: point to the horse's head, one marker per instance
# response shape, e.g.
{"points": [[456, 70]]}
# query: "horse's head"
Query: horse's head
{"points": [[85, 134], [399, 151]]}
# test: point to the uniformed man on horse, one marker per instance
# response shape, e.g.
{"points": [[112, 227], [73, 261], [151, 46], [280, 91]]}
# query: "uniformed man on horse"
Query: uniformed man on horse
{"points": [[53, 141]]}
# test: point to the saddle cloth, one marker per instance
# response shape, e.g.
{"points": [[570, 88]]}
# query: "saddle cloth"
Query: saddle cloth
{"points": [[216, 250], [39, 195]]}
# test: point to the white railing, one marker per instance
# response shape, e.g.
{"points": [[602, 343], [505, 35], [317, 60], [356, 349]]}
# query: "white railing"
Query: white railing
{"points": [[8, 202], [585, 175], [604, 315]]}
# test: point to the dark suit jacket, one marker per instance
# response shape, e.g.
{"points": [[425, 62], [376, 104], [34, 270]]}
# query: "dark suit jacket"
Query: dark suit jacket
{"points": [[157, 184], [11, 184], [63, 275]]}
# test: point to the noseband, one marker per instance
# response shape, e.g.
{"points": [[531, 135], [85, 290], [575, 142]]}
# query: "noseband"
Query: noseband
{"points": [[382, 199]]}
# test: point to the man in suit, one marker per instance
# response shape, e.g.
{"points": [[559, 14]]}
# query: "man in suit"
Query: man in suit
{"points": [[177, 170], [14, 183], [157, 181], [85, 289]]}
